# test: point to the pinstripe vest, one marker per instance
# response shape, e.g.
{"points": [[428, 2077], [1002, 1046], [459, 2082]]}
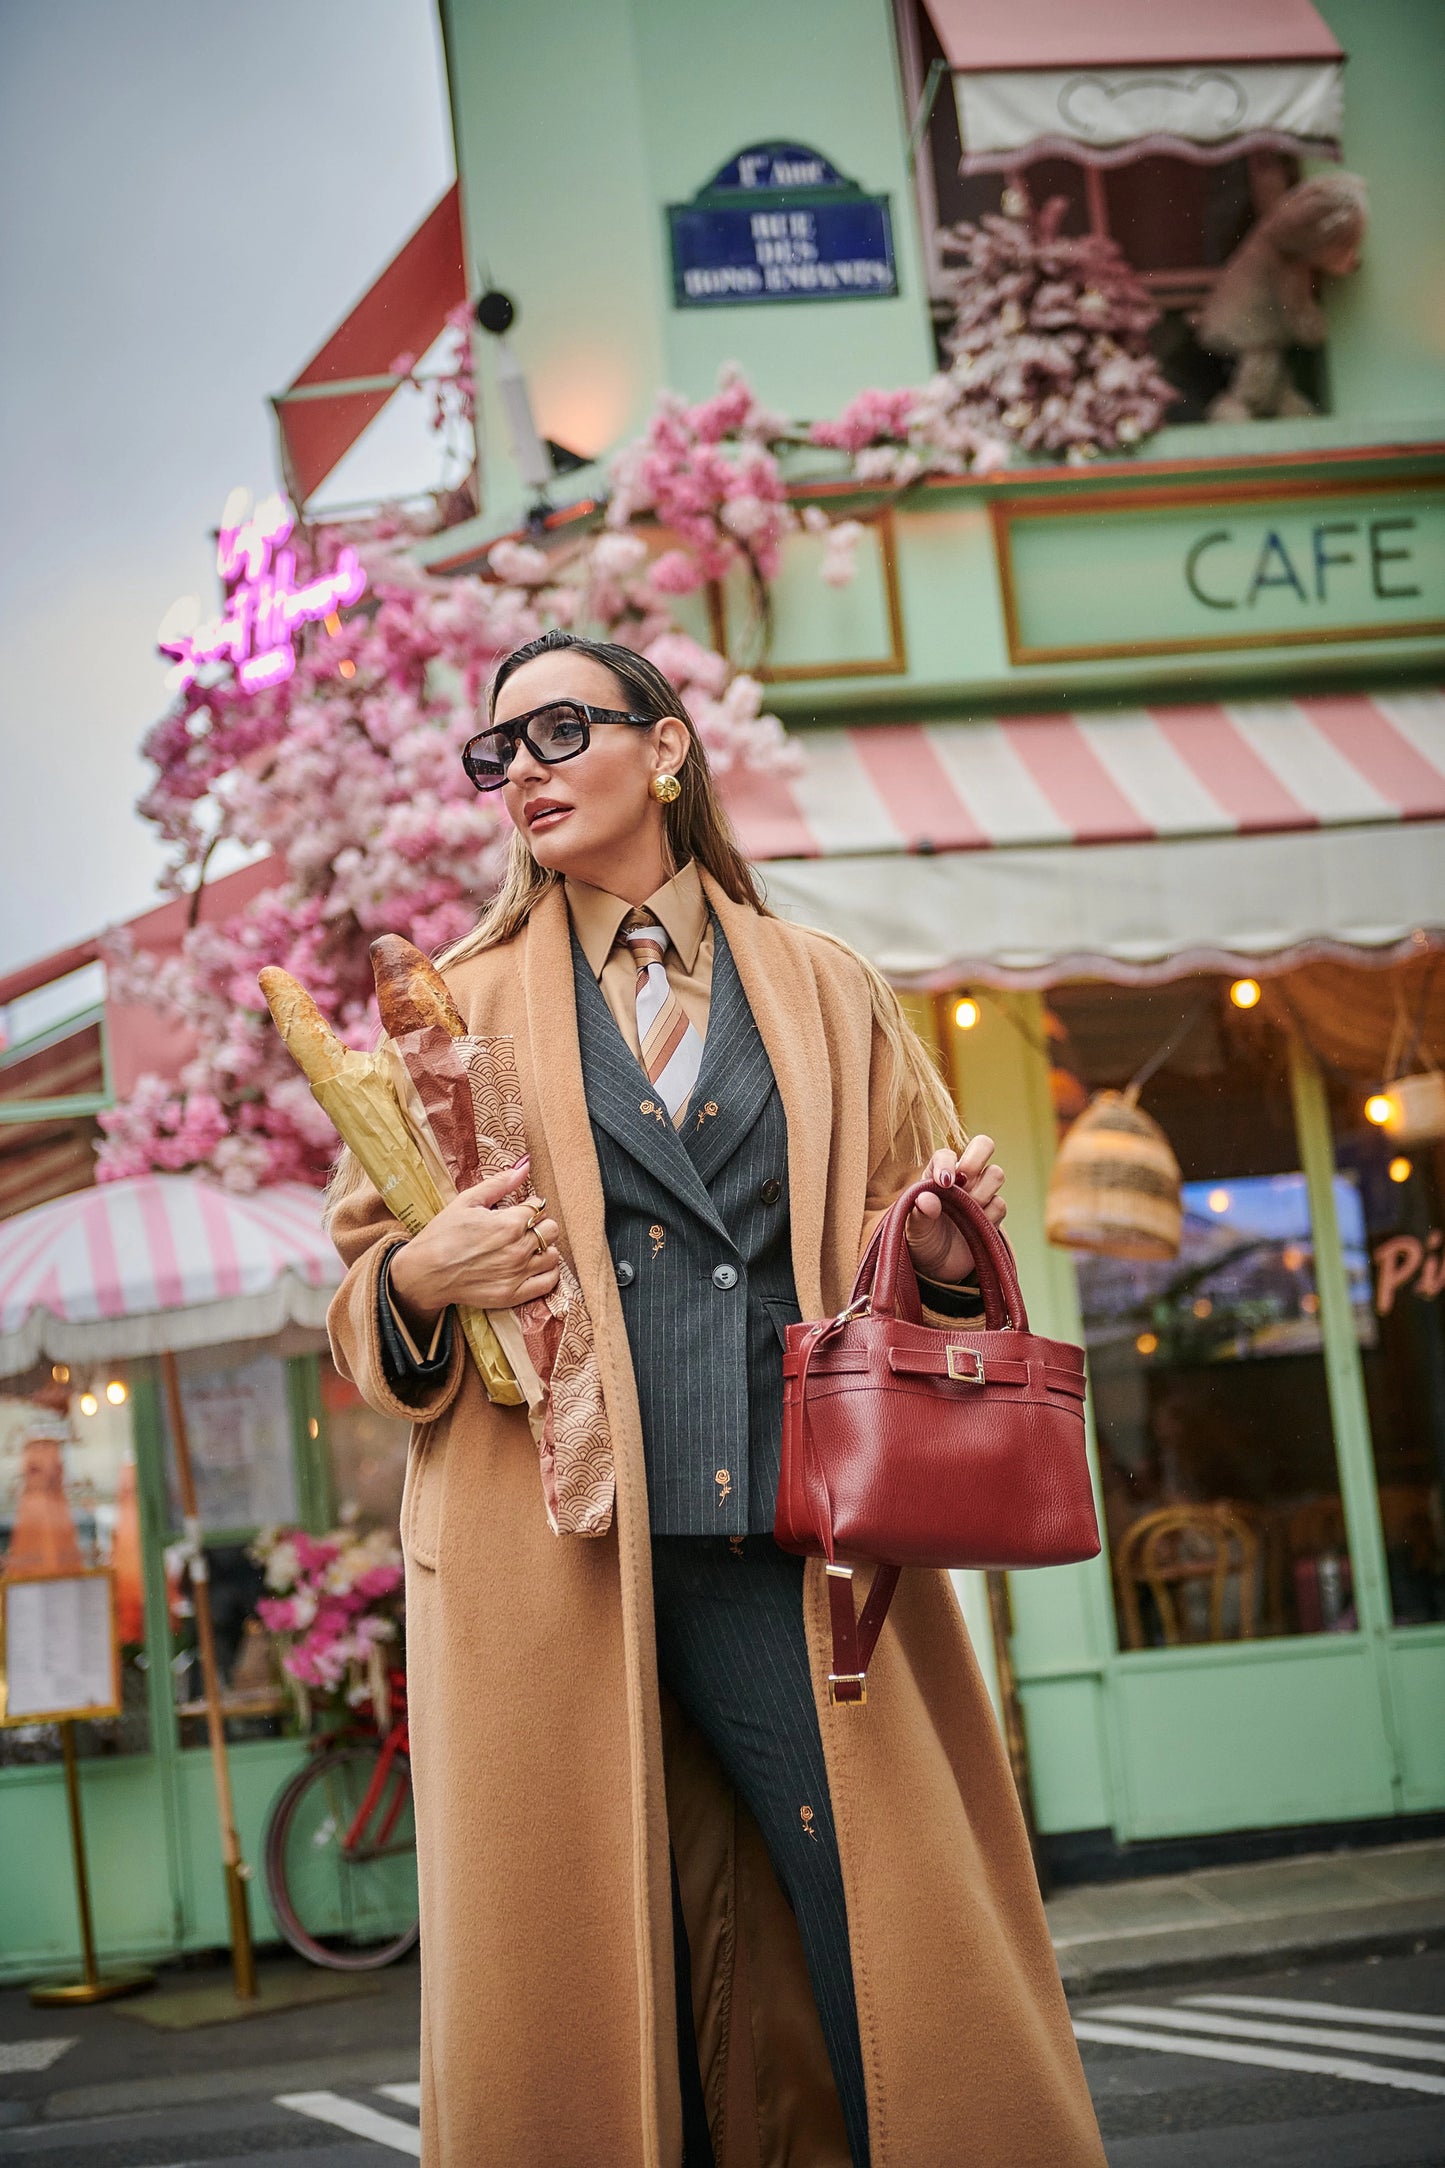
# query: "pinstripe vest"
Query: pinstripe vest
{"points": [[697, 1223]]}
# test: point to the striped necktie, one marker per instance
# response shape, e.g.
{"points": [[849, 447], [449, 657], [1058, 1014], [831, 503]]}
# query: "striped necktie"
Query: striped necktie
{"points": [[671, 1046]]}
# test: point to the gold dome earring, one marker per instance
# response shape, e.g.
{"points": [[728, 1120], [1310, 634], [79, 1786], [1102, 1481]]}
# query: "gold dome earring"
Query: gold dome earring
{"points": [[665, 789]]}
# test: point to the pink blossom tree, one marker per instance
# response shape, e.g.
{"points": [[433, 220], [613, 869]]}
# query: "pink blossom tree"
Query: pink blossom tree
{"points": [[348, 773]]}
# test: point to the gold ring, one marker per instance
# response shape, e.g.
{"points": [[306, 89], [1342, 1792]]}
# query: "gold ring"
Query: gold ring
{"points": [[539, 1208], [541, 1245]]}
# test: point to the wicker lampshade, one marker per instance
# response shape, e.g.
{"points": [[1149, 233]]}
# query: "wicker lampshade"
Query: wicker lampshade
{"points": [[1417, 1108], [1115, 1185]]}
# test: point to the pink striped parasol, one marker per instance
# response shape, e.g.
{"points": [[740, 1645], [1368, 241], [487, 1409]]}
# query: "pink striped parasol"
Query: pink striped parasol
{"points": [[157, 1262]]}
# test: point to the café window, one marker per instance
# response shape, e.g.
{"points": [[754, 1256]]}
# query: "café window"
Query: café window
{"points": [[1217, 1455], [240, 1429], [367, 1454], [1370, 1025], [69, 1500], [1176, 220]]}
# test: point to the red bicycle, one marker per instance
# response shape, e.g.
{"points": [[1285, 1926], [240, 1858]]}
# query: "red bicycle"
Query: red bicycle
{"points": [[340, 1849]]}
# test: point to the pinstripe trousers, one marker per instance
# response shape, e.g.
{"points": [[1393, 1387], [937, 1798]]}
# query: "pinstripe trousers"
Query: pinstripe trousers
{"points": [[731, 1648]]}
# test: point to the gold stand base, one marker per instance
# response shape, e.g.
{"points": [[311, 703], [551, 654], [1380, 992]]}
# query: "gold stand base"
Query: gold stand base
{"points": [[51, 1994]]}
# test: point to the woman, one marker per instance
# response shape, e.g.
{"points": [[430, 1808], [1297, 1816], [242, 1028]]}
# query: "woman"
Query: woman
{"points": [[675, 1906]]}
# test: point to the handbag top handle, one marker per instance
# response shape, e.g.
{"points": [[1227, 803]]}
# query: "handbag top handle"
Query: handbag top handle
{"points": [[887, 1280]]}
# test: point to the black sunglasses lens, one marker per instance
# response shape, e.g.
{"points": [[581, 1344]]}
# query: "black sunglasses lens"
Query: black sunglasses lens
{"points": [[487, 758], [557, 732]]}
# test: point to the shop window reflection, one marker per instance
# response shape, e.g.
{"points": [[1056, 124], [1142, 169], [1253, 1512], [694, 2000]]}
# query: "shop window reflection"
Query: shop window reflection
{"points": [[1402, 1188], [238, 1420], [1221, 1490], [368, 1455], [68, 1500]]}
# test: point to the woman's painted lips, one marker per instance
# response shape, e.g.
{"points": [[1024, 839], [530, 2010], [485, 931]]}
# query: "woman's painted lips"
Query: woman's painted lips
{"points": [[546, 812]]}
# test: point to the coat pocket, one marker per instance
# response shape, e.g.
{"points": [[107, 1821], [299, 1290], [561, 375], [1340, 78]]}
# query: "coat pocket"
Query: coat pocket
{"points": [[421, 1496], [784, 1311]]}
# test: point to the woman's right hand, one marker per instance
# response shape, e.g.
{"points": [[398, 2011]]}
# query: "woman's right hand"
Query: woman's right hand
{"points": [[477, 1251]]}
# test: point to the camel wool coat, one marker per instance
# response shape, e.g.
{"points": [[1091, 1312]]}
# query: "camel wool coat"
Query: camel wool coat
{"points": [[550, 1770]]}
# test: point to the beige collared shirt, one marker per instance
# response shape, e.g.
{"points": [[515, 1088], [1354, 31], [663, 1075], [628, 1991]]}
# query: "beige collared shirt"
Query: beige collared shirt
{"points": [[681, 911]]}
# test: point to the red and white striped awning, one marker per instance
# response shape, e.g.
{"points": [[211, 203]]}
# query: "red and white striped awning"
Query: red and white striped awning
{"points": [[160, 1261], [1249, 833], [1125, 776]]}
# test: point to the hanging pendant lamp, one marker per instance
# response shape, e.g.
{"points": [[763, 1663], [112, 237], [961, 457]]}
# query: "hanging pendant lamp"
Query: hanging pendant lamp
{"points": [[1114, 1189]]}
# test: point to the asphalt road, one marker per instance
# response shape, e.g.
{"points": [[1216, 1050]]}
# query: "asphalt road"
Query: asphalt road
{"points": [[1325, 2066], [1328, 2066]]}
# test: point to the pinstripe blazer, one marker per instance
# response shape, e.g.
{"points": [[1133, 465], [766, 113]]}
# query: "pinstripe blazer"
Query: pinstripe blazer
{"points": [[697, 1225]]}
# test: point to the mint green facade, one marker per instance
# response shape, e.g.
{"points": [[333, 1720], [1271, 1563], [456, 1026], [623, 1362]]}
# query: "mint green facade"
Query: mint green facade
{"points": [[1044, 587]]}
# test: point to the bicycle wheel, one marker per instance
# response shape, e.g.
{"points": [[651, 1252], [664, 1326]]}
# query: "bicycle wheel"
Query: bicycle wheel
{"points": [[341, 1859]]}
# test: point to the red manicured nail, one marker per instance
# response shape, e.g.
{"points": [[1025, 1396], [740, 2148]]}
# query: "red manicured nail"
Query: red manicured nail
{"points": [[946, 1181]]}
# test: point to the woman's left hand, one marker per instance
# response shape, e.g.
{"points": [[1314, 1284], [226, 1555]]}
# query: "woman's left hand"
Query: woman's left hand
{"points": [[937, 1247]]}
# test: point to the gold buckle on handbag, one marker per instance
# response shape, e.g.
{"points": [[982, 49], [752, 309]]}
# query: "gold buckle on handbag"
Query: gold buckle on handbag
{"points": [[854, 1309], [955, 1356], [847, 1678]]}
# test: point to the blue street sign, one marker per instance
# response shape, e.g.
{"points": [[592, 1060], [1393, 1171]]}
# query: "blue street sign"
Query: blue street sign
{"points": [[778, 222]]}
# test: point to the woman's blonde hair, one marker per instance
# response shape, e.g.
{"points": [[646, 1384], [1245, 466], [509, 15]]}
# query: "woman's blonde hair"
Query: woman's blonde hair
{"points": [[695, 827]]}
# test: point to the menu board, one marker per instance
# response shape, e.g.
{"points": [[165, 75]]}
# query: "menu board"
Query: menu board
{"points": [[58, 1651]]}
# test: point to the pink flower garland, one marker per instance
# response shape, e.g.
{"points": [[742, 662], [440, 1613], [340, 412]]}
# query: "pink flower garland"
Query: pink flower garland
{"points": [[349, 773]]}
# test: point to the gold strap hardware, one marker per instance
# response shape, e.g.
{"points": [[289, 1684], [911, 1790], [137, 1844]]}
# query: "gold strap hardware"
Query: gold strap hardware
{"points": [[847, 1678], [957, 1355]]}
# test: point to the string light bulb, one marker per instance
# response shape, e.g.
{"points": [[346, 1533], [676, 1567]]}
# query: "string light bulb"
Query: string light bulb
{"points": [[1244, 993], [966, 1013], [89, 1405], [115, 1393], [1401, 1169], [60, 1372], [1147, 1342], [1378, 1108]]}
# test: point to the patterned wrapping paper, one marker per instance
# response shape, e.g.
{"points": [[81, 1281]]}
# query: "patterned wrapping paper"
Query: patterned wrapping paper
{"points": [[463, 1101]]}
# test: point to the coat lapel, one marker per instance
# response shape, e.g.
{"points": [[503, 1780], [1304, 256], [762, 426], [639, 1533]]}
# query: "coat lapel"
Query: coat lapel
{"points": [[785, 1007], [617, 1093], [736, 1077]]}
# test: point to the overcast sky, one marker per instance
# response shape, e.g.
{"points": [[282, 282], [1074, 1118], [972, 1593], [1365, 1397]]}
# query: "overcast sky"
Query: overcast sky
{"points": [[192, 195]]}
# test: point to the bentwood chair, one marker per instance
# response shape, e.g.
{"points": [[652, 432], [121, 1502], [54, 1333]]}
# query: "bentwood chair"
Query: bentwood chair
{"points": [[1190, 1558]]}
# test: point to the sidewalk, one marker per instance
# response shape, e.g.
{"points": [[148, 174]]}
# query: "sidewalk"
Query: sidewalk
{"points": [[1327, 1904]]}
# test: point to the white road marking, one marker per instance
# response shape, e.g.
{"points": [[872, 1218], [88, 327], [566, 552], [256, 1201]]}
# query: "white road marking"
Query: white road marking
{"points": [[1339, 2013], [360, 2121], [1242, 2051], [31, 2054], [408, 2095], [1248, 2028]]}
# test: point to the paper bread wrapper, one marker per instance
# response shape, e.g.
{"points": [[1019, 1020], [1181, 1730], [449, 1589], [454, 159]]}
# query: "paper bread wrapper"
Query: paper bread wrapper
{"points": [[355, 1092], [504, 1323]]}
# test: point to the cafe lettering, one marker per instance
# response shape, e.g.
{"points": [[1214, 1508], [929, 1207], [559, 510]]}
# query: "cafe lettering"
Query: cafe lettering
{"points": [[1086, 577], [1330, 559]]}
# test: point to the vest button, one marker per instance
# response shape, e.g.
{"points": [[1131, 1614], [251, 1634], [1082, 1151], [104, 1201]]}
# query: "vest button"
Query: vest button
{"points": [[724, 1275], [625, 1273], [771, 1190]]}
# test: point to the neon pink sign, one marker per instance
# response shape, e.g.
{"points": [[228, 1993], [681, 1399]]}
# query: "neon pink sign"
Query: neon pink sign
{"points": [[256, 630]]}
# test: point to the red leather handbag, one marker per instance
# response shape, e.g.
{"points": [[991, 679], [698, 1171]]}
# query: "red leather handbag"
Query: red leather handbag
{"points": [[907, 1444]]}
